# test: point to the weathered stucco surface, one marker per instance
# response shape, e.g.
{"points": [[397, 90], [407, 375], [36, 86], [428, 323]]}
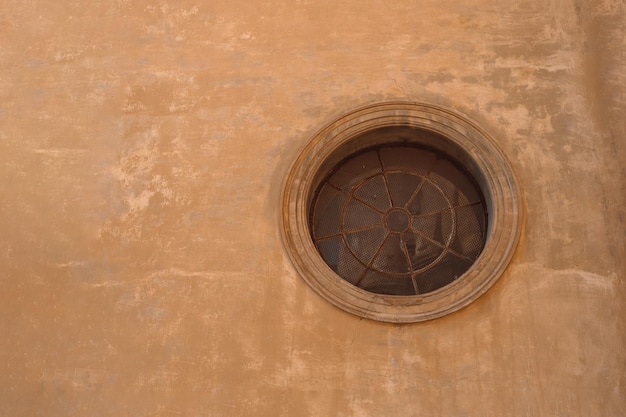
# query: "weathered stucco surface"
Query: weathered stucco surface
{"points": [[143, 146]]}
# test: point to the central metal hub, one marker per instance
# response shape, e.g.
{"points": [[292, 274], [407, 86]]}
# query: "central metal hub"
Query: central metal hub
{"points": [[397, 220]]}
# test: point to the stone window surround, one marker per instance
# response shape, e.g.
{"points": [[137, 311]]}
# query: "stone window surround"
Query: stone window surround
{"points": [[441, 129]]}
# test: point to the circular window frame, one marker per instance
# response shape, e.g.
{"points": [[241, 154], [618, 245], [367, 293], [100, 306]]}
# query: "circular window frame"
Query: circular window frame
{"points": [[440, 129]]}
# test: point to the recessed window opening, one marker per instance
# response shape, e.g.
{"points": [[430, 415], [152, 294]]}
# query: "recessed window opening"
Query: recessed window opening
{"points": [[399, 220], [401, 212]]}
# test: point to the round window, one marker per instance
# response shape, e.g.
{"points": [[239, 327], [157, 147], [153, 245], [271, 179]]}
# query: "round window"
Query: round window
{"points": [[400, 212], [398, 220]]}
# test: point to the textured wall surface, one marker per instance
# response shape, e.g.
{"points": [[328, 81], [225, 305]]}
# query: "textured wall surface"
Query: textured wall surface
{"points": [[143, 146]]}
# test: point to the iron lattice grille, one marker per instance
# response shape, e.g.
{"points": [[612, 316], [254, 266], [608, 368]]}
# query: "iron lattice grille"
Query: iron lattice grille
{"points": [[399, 220]]}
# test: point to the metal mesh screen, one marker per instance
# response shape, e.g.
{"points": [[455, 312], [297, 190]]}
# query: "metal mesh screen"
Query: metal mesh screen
{"points": [[399, 220]]}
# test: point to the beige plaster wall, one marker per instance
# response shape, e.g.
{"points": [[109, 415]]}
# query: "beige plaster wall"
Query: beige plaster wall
{"points": [[143, 145]]}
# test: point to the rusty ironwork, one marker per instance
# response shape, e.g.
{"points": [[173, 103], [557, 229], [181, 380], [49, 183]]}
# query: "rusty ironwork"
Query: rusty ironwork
{"points": [[399, 220]]}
